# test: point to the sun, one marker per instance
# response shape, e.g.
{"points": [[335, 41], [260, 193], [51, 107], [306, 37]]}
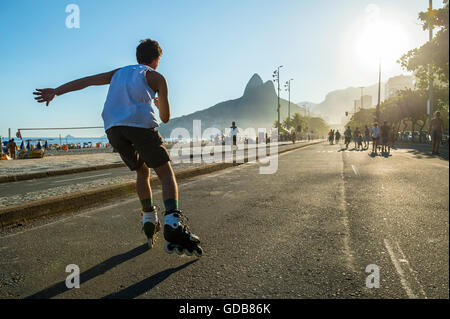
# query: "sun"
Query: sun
{"points": [[380, 39]]}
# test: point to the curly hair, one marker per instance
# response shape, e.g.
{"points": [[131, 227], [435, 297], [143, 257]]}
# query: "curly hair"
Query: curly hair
{"points": [[147, 51]]}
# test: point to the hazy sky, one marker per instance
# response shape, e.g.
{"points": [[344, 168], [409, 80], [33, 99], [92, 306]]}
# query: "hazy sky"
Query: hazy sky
{"points": [[210, 49]]}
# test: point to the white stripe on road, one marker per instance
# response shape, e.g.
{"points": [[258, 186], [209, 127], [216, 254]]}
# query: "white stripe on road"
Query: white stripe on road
{"points": [[411, 270], [399, 270], [78, 178], [355, 170]]}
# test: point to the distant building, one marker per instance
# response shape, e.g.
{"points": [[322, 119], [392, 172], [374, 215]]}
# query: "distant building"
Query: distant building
{"points": [[367, 102], [398, 83]]}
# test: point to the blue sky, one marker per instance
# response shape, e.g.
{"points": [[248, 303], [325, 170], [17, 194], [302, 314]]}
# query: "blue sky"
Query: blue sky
{"points": [[210, 50]]}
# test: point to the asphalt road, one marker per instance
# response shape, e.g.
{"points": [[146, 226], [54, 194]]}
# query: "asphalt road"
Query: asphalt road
{"points": [[22, 188], [307, 231]]}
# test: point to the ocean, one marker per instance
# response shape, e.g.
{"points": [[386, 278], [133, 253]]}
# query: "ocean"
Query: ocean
{"points": [[56, 140]]}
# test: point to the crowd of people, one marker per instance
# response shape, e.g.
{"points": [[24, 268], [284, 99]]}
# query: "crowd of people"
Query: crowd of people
{"points": [[383, 138]]}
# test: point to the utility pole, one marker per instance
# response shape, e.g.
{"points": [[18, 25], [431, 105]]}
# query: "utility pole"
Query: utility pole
{"points": [[379, 92], [430, 83], [276, 78], [288, 88]]}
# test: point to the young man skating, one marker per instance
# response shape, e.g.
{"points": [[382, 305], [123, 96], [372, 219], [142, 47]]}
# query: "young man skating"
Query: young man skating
{"points": [[130, 124]]}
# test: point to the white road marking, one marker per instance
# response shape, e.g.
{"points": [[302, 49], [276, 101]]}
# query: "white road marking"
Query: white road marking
{"points": [[404, 260], [346, 240], [78, 178], [355, 170], [399, 270]]}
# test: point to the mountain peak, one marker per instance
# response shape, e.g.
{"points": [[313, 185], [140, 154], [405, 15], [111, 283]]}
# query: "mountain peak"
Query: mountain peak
{"points": [[254, 82]]}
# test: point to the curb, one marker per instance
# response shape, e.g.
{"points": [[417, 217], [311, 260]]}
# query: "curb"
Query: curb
{"points": [[67, 171], [27, 176], [20, 214]]}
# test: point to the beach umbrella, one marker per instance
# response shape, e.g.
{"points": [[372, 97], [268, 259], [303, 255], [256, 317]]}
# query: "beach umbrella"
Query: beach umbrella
{"points": [[22, 146], [29, 146]]}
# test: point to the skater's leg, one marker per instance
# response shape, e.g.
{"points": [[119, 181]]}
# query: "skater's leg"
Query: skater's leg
{"points": [[150, 222], [169, 186], [143, 188], [177, 236]]}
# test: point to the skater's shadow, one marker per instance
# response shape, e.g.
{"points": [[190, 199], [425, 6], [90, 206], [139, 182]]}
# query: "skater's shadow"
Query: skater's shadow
{"points": [[147, 284], [91, 273]]}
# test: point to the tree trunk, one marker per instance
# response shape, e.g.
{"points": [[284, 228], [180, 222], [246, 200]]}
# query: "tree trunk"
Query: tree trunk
{"points": [[420, 131]]}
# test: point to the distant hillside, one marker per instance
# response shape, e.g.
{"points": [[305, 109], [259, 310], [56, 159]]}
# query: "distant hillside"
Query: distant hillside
{"points": [[255, 108], [336, 103]]}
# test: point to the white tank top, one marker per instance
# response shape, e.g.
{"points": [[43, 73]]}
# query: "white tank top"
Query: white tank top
{"points": [[129, 99]]}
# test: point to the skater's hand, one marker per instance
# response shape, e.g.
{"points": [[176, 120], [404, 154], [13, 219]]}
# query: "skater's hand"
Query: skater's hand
{"points": [[156, 101], [45, 95]]}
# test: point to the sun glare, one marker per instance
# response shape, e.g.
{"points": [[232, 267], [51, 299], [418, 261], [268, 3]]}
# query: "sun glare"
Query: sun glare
{"points": [[380, 39]]}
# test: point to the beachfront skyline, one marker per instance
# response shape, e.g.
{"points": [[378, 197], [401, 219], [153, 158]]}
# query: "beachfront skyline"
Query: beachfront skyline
{"points": [[210, 50]]}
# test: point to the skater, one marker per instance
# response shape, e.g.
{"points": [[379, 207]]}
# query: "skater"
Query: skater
{"points": [[130, 124], [435, 129]]}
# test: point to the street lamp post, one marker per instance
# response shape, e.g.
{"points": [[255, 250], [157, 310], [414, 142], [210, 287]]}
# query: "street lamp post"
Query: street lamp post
{"points": [[287, 86], [430, 81], [379, 92], [276, 78]]}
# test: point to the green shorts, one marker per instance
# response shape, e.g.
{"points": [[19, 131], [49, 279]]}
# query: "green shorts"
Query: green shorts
{"points": [[138, 145]]}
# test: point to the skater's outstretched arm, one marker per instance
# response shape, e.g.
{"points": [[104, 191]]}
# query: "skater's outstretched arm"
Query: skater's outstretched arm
{"points": [[47, 95], [158, 83]]}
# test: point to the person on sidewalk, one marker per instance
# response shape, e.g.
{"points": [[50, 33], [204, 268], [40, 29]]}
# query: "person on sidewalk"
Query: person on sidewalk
{"points": [[385, 131], [366, 137], [347, 136], [337, 136], [436, 128], [233, 133], [130, 124], [375, 138], [12, 148]]}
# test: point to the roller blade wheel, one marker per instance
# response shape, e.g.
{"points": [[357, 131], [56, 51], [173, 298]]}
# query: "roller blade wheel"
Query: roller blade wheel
{"points": [[171, 247], [150, 231]]}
